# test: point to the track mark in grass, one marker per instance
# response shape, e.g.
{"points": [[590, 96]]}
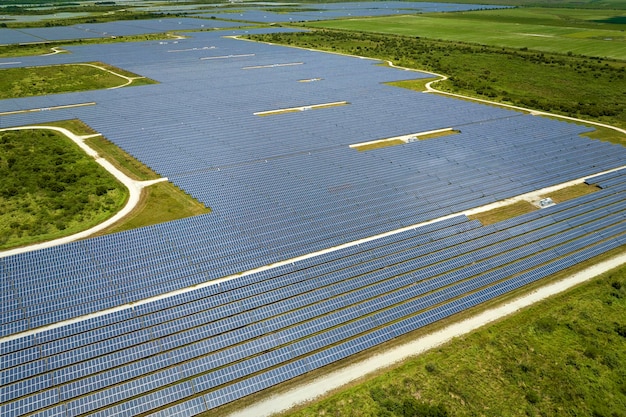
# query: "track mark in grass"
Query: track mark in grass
{"points": [[572, 192], [401, 140], [504, 213]]}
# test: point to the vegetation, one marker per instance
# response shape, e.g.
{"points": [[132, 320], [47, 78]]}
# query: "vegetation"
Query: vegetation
{"points": [[582, 32], [104, 17], [572, 192], [565, 356], [120, 159], [415, 85], [379, 144], [160, 202], [503, 213], [513, 76], [54, 79], [50, 188]]}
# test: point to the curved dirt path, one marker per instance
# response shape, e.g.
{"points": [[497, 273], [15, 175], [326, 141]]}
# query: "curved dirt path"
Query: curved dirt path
{"points": [[134, 189]]}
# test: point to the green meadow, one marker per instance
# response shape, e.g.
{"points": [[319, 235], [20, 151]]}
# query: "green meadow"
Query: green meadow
{"points": [[597, 33]]}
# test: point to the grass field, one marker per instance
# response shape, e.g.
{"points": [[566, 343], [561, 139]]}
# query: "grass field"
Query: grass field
{"points": [[55, 79], [50, 188], [563, 357], [548, 30]]}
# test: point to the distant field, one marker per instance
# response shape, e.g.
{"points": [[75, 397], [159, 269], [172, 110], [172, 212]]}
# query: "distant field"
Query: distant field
{"points": [[588, 32], [55, 79]]}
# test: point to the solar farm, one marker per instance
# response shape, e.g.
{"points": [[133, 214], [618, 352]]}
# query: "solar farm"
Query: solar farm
{"points": [[313, 252]]}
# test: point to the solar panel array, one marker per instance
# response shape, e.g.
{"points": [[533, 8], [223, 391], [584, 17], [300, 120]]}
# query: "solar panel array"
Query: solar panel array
{"points": [[211, 346], [282, 186]]}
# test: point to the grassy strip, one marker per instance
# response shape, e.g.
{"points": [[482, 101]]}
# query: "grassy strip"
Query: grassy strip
{"points": [[563, 356], [438, 134], [75, 126], [415, 85], [160, 202], [379, 145], [504, 213], [572, 192], [524, 78], [55, 79], [120, 159], [50, 188]]}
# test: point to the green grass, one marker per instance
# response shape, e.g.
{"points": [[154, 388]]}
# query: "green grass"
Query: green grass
{"points": [[530, 79], [160, 202], [55, 79], [572, 192], [50, 188], [75, 126], [120, 159], [415, 85], [607, 135], [546, 30], [564, 356], [503, 213]]}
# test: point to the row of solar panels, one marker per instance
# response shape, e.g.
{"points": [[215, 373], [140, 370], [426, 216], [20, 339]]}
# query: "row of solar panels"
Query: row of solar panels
{"points": [[146, 401], [587, 233], [174, 263], [316, 226]]}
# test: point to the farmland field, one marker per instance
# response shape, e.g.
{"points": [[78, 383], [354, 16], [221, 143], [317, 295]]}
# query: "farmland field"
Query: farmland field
{"points": [[590, 33]]}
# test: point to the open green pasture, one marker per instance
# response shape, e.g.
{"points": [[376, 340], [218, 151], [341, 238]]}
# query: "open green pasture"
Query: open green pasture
{"points": [[579, 32]]}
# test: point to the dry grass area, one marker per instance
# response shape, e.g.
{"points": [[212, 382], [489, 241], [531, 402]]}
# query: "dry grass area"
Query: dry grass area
{"points": [[379, 145], [572, 192], [438, 134], [503, 213]]}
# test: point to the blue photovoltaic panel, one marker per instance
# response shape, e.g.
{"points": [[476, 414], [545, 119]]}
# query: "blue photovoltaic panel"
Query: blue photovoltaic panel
{"points": [[282, 186]]}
